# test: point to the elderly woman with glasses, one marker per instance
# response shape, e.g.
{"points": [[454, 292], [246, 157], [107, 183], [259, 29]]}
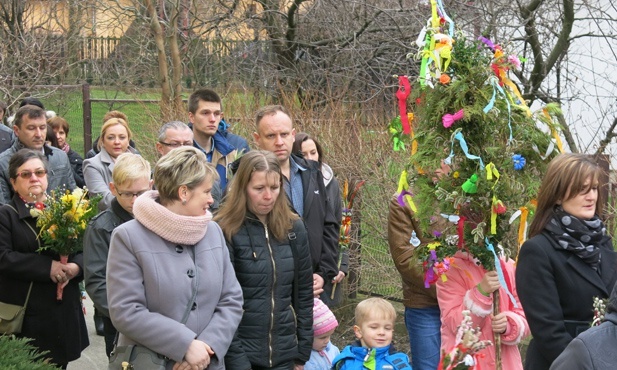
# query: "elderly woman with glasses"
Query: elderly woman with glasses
{"points": [[25, 273]]}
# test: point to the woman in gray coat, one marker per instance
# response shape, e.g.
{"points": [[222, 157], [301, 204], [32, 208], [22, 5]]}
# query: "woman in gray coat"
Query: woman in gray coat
{"points": [[169, 251], [114, 140]]}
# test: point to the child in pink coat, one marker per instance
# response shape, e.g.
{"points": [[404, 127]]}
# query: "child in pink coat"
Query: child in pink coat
{"points": [[470, 287]]}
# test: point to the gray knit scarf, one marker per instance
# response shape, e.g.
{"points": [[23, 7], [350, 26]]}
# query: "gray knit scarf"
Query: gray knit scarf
{"points": [[185, 230]]}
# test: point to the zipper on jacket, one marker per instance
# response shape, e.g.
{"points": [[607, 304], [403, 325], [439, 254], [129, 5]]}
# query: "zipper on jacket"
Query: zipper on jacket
{"points": [[271, 296]]}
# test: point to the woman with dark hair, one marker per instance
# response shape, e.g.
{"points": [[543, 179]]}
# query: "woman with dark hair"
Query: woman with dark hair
{"points": [[310, 149], [60, 128], [269, 249], [568, 260], [55, 326], [170, 284]]}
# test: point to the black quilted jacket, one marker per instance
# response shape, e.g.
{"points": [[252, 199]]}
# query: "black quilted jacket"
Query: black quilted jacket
{"points": [[276, 328]]}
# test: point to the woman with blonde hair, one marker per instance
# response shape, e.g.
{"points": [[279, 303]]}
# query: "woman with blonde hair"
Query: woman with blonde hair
{"points": [[171, 287], [268, 244], [568, 260], [114, 140]]}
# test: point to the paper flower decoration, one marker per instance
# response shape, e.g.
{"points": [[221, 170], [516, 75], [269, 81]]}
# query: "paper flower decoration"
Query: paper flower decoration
{"points": [[470, 186], [499, 208], [519, 162], [449, 119]]}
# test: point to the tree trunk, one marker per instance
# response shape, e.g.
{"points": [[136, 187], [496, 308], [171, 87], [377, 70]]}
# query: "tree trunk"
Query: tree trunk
{"points": [[176, 66], [159, 40]]}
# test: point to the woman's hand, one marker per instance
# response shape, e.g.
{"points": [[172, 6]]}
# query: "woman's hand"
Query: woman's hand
{"points": [[298, 367], [317, 285], [197, 356], [499, 323], [490, 282], [338, 278], [71, 270], [57, 273]]}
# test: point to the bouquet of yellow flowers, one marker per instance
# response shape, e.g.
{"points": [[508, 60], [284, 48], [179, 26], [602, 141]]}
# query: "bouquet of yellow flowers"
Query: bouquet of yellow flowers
{"points": [[62, 222]]}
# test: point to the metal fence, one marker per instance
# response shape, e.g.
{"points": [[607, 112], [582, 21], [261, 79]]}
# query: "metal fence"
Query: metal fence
{"points": [[371, 272]]}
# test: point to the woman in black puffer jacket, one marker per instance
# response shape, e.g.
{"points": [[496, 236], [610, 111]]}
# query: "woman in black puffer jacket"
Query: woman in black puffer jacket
{"points": [[269, 250]]}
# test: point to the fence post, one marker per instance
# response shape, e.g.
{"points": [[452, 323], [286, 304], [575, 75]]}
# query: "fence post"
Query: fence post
{"points": [[355, 246], [87, 125]]}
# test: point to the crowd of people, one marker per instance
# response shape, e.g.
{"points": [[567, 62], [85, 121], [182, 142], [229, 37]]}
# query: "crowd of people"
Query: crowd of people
{"points": [[222, 256]]}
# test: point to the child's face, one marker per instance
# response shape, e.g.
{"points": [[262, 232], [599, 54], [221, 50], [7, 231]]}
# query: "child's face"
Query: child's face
{"points": [[125, 193], [375, 332], [320, 342]]}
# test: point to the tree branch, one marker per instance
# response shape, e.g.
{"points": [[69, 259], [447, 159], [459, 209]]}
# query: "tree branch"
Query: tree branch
{"points": [[610, 134]]}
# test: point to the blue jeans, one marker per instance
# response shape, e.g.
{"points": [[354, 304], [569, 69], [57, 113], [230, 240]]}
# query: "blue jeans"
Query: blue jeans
{"points": [[424, 328]]}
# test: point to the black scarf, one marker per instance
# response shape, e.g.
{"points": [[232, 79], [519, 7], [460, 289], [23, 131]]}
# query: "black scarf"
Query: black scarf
{"points": [[581, 237]]}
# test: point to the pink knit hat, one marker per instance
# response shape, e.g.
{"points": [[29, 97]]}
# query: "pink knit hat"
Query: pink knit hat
{"points": [[323, 318]]}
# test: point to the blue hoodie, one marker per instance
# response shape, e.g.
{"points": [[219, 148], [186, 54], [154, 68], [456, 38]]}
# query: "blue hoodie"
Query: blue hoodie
{"points": [[356, 357]]}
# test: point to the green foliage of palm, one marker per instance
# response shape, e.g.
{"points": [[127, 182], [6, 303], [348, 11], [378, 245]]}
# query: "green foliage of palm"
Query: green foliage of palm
{"points": [[488, 136]]}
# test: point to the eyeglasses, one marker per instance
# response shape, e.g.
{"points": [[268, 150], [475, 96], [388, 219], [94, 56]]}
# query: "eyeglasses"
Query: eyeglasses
{"points": [[177, 145], [129, 195], [28, 174]]}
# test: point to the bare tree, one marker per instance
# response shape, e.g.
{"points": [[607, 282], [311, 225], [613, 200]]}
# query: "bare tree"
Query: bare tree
{"points": [[30, 55], [570, 52]]}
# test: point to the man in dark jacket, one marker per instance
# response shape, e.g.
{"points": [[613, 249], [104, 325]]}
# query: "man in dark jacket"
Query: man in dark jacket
{"points": [[594, 348], [6, 137], [304, 186]]}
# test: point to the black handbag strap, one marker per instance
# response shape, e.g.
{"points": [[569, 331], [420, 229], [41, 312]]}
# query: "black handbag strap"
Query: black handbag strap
{"points": [[39, 241], [292, 241]]}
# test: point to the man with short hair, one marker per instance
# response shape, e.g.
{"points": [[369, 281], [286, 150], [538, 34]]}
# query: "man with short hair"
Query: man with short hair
{"points": [[175, 134], [30, 129], [304, 186], [205, 114]]}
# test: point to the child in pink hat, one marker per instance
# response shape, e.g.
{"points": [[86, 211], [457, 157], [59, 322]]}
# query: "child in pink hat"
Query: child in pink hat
{"points": [[324, 323]]}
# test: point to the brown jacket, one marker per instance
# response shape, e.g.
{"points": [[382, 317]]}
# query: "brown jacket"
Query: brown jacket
{"points": [[400, 225]]}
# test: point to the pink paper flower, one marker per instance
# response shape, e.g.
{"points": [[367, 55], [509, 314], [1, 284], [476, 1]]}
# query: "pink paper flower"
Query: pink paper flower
{"points": [[514, 61], [449, 119]]}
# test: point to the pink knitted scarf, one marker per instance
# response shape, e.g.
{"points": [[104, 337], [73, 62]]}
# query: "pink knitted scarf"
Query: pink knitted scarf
{"points": [[185, 230]]}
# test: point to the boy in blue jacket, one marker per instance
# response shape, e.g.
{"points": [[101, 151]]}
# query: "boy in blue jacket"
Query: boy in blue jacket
{"points": [[373, 350]]}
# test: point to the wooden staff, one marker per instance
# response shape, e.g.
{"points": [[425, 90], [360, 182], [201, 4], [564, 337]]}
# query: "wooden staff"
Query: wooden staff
{"points": [[497, 336]]}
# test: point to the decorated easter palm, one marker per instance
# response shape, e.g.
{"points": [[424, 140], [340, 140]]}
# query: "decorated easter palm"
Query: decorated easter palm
{"points": [[464, 111]]}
